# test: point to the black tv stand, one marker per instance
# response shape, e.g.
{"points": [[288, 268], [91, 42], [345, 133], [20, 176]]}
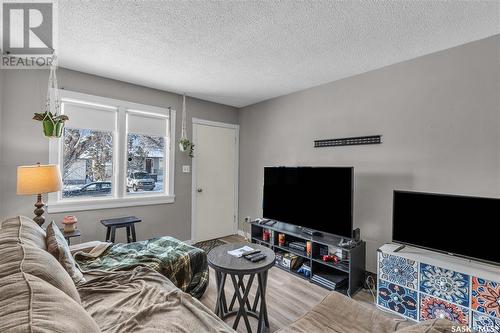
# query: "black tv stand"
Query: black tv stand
{"points": [[310, 232], [347, 276]]}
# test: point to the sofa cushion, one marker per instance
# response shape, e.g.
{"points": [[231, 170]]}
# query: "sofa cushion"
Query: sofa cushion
{"points": [[59, 248], [21, 229], [29, 304], [22, 253], [19, 258], [337, 313], [147, 302], [434, 326]]}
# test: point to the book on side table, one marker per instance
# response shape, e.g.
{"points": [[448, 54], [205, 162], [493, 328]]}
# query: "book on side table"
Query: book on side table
{"points": [[238, 253]]}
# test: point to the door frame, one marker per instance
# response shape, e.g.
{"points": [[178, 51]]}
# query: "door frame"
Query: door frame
{"points": [[198, 121]]}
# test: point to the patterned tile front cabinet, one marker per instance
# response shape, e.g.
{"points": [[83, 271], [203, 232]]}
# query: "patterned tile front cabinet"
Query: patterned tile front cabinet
{"points": [[486, 297], [398, 270], [434, 308], [398, 299], [421, 291], [446, 284], [483, 323]]}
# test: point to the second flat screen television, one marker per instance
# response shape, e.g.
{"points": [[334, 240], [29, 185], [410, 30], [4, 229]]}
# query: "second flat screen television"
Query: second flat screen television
{"points": [[453, 224], [318, 198]]}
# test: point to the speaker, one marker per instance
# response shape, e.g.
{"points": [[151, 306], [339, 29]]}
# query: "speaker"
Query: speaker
{"points": [[356, 235]]}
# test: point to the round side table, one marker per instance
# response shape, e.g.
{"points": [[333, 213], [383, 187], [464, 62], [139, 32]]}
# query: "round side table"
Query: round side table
{"points": [[225, 264]]}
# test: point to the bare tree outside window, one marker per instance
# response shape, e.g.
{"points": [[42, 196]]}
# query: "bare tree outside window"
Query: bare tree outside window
{"points": [[145, 163], [87, 163], [111, 150]]}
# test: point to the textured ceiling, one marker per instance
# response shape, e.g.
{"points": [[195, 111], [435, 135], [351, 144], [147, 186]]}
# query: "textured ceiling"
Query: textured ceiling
{"points": [[242, 52]]}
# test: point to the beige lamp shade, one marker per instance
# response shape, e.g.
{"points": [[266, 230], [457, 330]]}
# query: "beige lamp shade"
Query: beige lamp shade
{"points": [[36, 179]]}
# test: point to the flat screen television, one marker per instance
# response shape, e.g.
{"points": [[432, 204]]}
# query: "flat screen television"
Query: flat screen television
{"points": [[317, 198], [457, 225]]}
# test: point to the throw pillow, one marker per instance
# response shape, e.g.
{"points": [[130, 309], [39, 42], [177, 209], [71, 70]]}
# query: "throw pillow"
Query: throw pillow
{"points": [[58, 247]]}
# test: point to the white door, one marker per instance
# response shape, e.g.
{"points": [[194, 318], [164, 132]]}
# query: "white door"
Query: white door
{"points": [[215, 180]]}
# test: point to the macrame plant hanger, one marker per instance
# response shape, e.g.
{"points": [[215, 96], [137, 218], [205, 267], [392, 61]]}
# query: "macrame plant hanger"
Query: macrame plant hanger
{"points": [[53, 102], [184, 144], [184, 125], [52, 119]]}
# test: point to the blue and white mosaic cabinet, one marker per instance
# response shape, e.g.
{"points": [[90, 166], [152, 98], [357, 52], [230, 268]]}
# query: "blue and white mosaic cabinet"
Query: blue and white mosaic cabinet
{"points": [[444, 283], [420, 285], [398, 299], [484, 323], [398, 270]]}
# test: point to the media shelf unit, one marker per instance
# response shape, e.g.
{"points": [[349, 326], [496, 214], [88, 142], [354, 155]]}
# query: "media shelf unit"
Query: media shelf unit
{"points": [[352, 268]]}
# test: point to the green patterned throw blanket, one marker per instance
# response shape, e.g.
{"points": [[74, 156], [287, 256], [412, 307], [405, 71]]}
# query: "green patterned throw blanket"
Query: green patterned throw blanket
{"points": [[184, 265]]}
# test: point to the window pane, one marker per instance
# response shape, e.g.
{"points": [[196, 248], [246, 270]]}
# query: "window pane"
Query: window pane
{"points": [[87, 163], [145, 164]]}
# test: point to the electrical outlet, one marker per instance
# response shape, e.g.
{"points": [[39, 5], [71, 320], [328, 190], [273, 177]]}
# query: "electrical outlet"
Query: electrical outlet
{"points": [[186, 169], [248, 219]]}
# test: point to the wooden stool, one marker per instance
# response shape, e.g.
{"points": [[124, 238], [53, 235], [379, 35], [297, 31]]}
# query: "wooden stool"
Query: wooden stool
{"points": [[127, 222]]}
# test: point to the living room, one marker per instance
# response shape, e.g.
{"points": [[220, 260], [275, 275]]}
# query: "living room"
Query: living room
{"points": [[175, 115]]}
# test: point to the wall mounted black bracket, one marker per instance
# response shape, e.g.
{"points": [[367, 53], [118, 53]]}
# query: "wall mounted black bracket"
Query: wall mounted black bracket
{"points": [[358, 140]]}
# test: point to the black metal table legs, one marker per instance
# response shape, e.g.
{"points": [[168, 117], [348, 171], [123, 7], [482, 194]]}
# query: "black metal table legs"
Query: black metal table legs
{"points": [[241, 294], [263, 305], [111, 231], [220, 305]]}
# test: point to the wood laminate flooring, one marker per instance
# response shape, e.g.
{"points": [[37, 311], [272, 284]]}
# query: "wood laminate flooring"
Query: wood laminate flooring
{"points": [[288, 296]]}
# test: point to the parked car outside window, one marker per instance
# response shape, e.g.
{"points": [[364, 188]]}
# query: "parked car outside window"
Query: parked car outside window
{"points": [[91, 189], [140, 180]]}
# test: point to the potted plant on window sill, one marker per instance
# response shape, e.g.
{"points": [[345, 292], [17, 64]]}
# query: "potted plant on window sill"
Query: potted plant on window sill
{"points": [[53, 124]]}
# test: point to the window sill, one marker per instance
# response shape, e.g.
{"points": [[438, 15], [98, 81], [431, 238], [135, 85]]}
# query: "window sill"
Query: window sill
{"points": [[95, 204]]}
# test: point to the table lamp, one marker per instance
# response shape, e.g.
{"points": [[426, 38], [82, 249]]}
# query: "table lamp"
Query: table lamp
{"points": [[38, 179]]}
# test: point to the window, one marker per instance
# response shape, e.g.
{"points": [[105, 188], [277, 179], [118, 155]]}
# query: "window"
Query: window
{"points": [[146, 136], [112, 154], [87, 163]]}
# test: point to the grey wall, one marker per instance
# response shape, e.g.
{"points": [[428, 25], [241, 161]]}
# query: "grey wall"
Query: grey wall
{"points": [[1, 159], [439, 115], [23, 143]]}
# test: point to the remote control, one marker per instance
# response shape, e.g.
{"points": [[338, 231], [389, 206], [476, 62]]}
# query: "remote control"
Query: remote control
{"points": [[258, 257], [250, 253], [251, 256]]}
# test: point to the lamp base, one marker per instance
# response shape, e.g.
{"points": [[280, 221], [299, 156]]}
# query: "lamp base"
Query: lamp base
{"points": [[39, 218]]}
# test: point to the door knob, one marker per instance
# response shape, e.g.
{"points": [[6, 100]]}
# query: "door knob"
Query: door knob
{"points": [[199, 190]]}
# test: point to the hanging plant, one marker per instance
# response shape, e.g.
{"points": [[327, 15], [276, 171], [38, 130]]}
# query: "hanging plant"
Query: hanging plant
{"points": [[52, 124], [52, 119], [184, 144]]}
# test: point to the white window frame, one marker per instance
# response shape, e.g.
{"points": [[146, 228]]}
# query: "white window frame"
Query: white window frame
{"points": [[120, 154]]}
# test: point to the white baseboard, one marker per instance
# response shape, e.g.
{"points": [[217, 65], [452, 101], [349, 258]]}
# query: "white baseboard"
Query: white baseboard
{"points": [[242, 233]]}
